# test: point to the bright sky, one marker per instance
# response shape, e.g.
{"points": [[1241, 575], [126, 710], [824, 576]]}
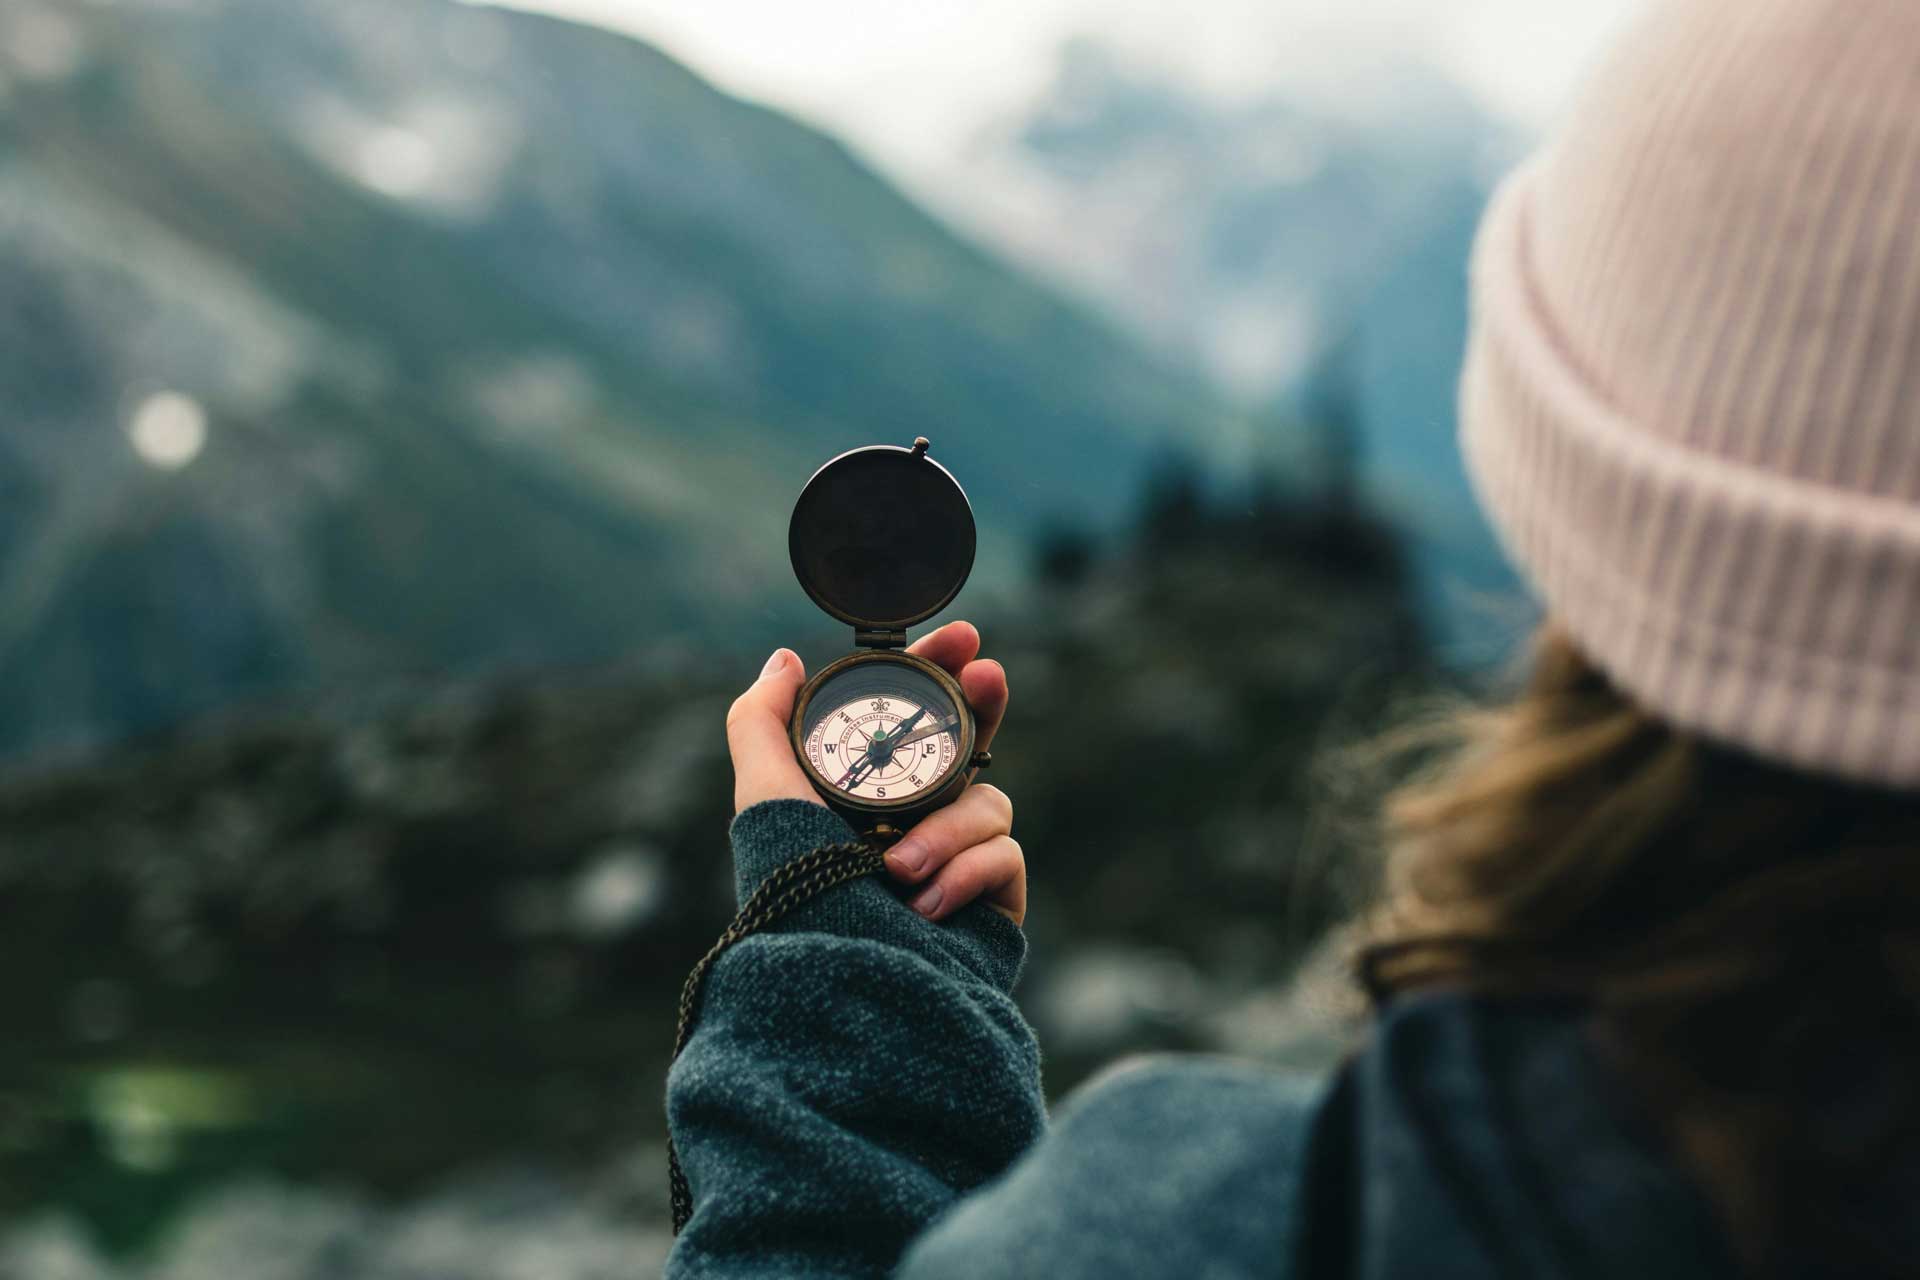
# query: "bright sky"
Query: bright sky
{"points": [[908, 80]]}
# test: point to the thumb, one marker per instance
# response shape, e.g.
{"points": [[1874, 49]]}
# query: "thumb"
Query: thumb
{"points": [[763, 763]]}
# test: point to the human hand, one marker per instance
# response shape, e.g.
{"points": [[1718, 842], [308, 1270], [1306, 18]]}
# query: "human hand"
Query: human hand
{"points": [[964, 850]]}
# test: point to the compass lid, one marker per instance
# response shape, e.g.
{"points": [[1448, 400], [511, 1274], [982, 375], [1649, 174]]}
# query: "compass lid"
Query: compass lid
{"points": [[882, 537]]}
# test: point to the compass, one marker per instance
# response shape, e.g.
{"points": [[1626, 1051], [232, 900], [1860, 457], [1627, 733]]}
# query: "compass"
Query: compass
{"points": [[882, 538]]}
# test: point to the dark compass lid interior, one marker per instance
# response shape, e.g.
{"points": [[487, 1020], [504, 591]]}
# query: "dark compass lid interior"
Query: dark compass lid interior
{"points": [[882, 537]]}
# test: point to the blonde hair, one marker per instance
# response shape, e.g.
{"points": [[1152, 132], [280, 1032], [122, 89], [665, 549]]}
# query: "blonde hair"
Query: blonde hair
{"points": [[1744, 937]]}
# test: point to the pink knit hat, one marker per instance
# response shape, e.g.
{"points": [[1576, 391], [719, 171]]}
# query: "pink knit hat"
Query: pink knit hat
{"points": [[1691, 402]]}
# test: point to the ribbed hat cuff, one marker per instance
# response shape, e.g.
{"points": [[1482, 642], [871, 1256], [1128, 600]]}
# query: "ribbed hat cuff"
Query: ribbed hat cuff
{"points": [[1772, 613]]}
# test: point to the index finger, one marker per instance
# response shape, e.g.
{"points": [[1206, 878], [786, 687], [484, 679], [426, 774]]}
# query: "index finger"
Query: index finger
{"points": [[951, 647], [955, 648], [985, 684]]}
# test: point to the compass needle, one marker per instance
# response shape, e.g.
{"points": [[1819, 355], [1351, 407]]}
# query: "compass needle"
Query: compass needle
{"points": [[942, 726]]}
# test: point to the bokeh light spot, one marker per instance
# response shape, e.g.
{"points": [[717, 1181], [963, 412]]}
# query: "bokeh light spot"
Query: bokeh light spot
{"points": [[396, 162], [168, 430]]}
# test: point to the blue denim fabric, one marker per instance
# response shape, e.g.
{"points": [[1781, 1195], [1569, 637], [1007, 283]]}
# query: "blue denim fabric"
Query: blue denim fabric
{"points": [[862, 1098]]}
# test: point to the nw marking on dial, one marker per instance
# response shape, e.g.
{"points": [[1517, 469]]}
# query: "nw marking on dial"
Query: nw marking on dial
{"points": [[881, 748]]}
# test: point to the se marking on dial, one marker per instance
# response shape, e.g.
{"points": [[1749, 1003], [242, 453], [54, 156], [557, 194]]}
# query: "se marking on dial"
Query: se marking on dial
{"points": [[850, 747]]}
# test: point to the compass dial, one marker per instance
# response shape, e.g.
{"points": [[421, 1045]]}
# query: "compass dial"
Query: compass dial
{"points": [[881, 731]]}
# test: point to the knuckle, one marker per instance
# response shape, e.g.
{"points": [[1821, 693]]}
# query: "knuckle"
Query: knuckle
{"points": [[739, 712], [996, 799]]}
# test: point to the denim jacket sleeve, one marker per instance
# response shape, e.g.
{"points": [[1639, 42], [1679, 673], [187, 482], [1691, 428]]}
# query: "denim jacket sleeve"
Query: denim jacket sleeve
{"points": [[854, 1071]]}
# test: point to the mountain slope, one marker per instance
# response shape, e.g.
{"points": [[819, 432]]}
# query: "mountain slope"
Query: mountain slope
{"points": [[501, 341]]}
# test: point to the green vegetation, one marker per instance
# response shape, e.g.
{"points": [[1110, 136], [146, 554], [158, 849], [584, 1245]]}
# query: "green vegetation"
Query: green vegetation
{"points": [[379, 944]]}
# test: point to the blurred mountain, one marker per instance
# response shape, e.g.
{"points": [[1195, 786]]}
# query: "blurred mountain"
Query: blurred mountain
{"points": [[348, 340], [1294, 245]]}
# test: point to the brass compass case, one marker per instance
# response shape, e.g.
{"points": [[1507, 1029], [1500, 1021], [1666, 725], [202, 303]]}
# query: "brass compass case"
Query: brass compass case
{"points": [[890, 817], [881, 538]]}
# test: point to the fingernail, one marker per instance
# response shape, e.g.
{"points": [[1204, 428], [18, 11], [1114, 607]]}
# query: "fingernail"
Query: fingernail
{"points": [[911, 855], [777, 662], [929, 902]]}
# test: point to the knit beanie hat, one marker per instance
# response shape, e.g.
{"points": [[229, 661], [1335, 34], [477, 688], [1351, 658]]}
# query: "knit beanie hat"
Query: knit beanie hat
{"points": [[1691, 402]]}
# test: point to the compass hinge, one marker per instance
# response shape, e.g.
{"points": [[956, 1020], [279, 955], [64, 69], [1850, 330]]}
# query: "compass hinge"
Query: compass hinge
{"points": [[880, 637]]}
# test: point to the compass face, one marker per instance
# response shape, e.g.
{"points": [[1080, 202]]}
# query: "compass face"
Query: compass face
{"points": [[882, 732]]}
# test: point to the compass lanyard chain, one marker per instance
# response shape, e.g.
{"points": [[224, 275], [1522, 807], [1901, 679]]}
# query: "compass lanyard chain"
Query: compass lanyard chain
{"points": [[799, 881]]}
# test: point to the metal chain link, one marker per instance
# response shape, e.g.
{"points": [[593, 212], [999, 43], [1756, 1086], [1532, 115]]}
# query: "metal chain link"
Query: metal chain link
{"points": [[797, 882]]}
